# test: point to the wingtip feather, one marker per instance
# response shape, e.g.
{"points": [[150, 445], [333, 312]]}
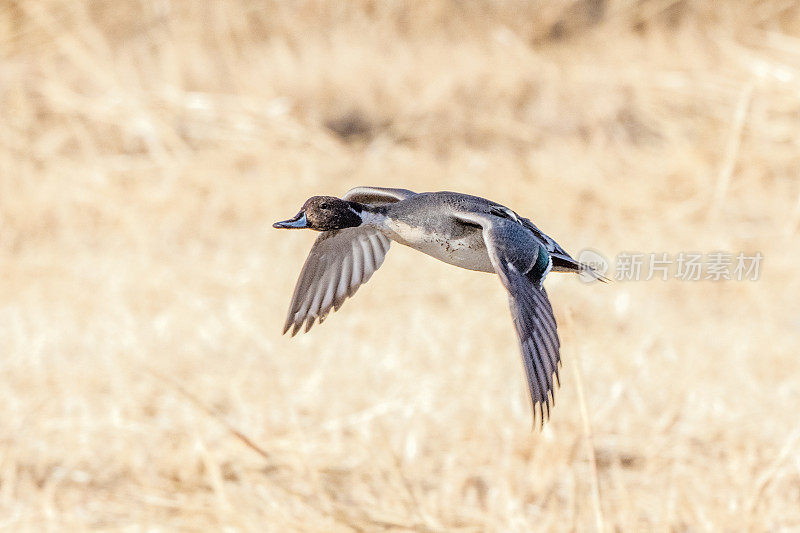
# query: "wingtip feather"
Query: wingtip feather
{"points": [[296, 328]]}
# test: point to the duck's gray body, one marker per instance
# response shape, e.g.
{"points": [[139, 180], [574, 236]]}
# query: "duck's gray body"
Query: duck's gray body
{"points": [[425, 222], [466, 231]]}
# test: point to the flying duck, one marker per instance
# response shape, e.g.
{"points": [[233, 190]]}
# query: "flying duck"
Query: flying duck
{"points": [[463, 230]]}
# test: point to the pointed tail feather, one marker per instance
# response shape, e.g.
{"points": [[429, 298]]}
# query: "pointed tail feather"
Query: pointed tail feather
{"points": [[565, 263]]}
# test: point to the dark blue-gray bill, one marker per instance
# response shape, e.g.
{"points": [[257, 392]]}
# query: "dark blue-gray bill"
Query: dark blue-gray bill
{"points": [[297, 222]]}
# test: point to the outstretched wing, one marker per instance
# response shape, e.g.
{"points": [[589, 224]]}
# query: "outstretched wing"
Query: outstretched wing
{"points": [[538, 337], [514, 253], [338, 264]]}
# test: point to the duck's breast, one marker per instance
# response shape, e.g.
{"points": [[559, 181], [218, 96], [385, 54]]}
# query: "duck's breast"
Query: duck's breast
{"points": [[443, 238]]}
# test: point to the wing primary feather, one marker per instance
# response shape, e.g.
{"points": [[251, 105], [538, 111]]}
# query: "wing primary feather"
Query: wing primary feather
{"points": [[314, 309], [530, 370], [378, 250], [546, 363], [308, 297], [338, 263], [312, 269], [358, 262], [541, 392], [296, 328], [343, 288], [327, 288], [550, 337], [330, 291], [547, 337], [369, 261]]}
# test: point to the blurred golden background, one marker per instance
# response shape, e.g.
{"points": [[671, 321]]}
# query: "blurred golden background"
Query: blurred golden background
{"points": [[146, 148]]}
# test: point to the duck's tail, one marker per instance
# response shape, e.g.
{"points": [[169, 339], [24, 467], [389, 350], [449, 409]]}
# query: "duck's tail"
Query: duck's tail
{"points": [[565, 263]]}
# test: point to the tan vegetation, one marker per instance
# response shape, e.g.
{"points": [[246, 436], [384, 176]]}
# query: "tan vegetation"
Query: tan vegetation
{"points": [[146, 148]]}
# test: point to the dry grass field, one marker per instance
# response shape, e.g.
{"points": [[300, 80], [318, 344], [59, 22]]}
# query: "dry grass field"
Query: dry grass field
{"points": [[147, 147]]}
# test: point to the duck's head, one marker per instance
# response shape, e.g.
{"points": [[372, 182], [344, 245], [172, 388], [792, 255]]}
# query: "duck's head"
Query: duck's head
{"points": [[324, 213]]}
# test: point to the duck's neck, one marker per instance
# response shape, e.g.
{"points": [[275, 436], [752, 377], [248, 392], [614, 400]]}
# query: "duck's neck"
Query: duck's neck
{"points": [[371, 215]]}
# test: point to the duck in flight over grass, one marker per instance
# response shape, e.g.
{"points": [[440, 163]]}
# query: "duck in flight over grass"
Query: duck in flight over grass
{"points": [[462, 230]]}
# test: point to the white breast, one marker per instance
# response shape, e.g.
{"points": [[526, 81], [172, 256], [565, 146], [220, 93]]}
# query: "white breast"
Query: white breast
{"points": [[466, 252]]}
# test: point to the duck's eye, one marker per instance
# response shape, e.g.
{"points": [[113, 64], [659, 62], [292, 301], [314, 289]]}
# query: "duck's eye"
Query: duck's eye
{"points": [[324, 205]]}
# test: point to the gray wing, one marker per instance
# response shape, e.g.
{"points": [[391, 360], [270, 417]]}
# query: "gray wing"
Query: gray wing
{"points": [[513, 252], [338, 264], [377, 195], [538, 338]]}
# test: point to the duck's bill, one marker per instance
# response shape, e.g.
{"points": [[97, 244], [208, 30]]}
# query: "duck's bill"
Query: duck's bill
{"points": [[298, 222]]}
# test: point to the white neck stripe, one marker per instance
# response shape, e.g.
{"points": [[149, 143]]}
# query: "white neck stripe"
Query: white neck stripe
{"points": [[372, 219]]}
